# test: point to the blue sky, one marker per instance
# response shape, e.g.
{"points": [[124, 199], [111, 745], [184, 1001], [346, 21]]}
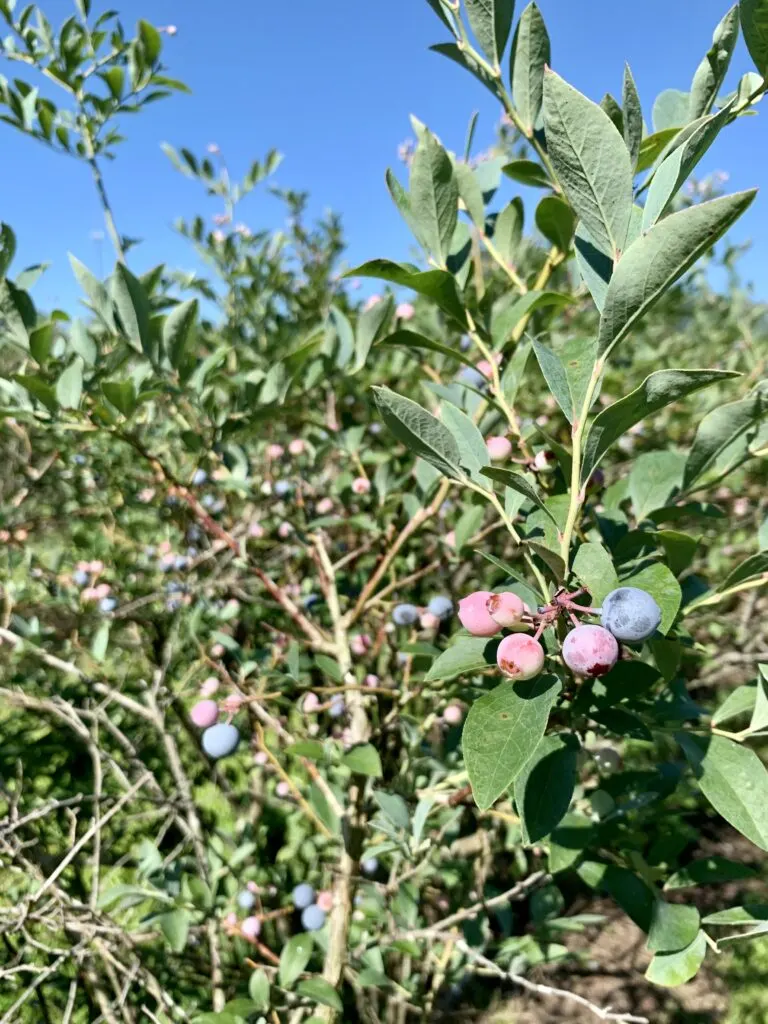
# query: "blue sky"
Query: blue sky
{"points": [[331, 84]]}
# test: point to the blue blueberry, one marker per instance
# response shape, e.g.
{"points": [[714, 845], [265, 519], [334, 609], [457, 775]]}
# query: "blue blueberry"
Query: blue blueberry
{"points": [[405, 615], [246, 899], [283, 487], [630, 614], [208, 501], [80, 576], [338, 707], [220, 740], [107, 605], [192, 552], [79, 460], [312, 918], [303, 895], [199, 477], [310, 600], [473, 378], [370, 866], [375, 428], [181, 562], [441, 606]]}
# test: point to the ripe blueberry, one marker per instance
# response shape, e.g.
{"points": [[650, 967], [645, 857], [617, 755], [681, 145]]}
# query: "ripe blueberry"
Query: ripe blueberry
{"points": [[283, 487], [590, 651], [405, 615], [441, 606], [338, 707], [107, 605], [312, 918], [303, 895], [369, 866], [630, 614], [245, 900], [220, 740]]}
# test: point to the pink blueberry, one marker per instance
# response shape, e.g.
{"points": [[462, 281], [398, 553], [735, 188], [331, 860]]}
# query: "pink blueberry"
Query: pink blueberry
{"points": [[541, 460], [486, 368], [371, 680], [499, 448], [506, 609], [324, 900], [359, 644], [590, 651], [256, 530], [260, 757], [361, 485], [474, 615], [205, 713], [209, 686], [283, 789], [405, 311], [450, 539], [217, 650], [297, 446], [284, 530], [232, 704], [251, 927], [520, 656], [429, 621], [275, 451], [310, 704], [453, 714], [324, 506], [374, 300]]}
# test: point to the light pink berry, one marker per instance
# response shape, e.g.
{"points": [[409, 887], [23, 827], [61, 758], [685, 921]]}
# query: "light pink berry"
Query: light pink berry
{"points": [[209, 686], [374, 300], [405, 311], [283, 789], [256, 530], [252, 887], [486, 368], [251, 927], [260, 757], [146, 494], [371, 680], [359, 644], [520, 656], [590, 650], [205, 713], [218, 236], [230, 921], [506, 609], [217, 650], [473, 614], [284, 530], [297, 446], [275, 451], [170, 30], [232, 704], [310, 704], [164, 547], [96, 567], [429, 621], [450, 539], [499, 448], [324, 506], [453, 714], [361, 485], [541, 460], [324, 900]]}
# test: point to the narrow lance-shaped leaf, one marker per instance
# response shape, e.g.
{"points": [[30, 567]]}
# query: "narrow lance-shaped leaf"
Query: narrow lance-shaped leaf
{"points": [[556, 377], [591, 162], [472, 447], [518, 483], [434, 198], [711, 72], [419, 431], [530, 56], [754, 24], [657, 259], [720, 428], [437, 285], [633, 116], [491, 21], [657, 390]]}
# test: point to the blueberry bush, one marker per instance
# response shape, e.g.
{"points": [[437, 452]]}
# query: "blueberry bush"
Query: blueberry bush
{"points": [[358, 653]]}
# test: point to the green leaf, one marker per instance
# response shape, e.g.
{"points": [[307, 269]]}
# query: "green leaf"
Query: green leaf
{"points": [[657, 391], [569, 839], [527, 172], [81, 343], [467, 654], [670, 110], [595, 266], [179, 328], [633, 117], [679, 548], [719, 429], [69, 386], [100, 641], [675, 169], [329, 667], [312, 749], [133, 308], [544, 788], [673, 927], [491, 21], [122, 394], [465, 60], [556, 221], [556, 377], [7, 248], [41, 342], [14, 328], [653, 478], [95, 290], [434, 197], [321, 991], [294, 959], [754, 25], [653, 146], [750, 913], [370, 325], [508, 229], [514, 371], [711, 72], [663, 588], [750, 568], [518, 483], [593, 567], [657, 259], [740, 701], [706, 871], [437, 285], [258, 989], [471, 193], [419, 431], [394, 808], [734, 780], [502, 731], [633, 895], [175, 928], [409, 339], [364, 760], [673, 969], [591, 163], [510, 310], [472, 447], [759, 720], [530, 55]]}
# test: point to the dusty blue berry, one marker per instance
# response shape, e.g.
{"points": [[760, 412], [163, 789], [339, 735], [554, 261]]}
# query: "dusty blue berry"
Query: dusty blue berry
{"points": [[472, 377], [630, 614], [79, 460], [312, 918], [441, 606], [220, 740], [245, 899], [405, 614], [208, 500], [283, 487], [199, 477], [370, 866], [338, 707], [303, 895], [107, 605], [80, 576]]}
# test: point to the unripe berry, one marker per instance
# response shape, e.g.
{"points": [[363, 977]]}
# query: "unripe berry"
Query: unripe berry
{"points": [[205, 713], [284, 530], [313, 918], [282, 789], [361, 485], [405, 615], [474, 615], [429, 621], [310, 704], [303, 895], [405, 311], [371, 679], [325, 900], [590, 651], [450, 539], [209, 686], [453, 714], [359, 644], [324, 506], [246, 900], [441, 606], [220, 740], [520, 656], [251, 927], [232, 704], [507, 609], [260, 758], [297, 446], [275, 451], [630, 614], [499, 448], [256, 530]]}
